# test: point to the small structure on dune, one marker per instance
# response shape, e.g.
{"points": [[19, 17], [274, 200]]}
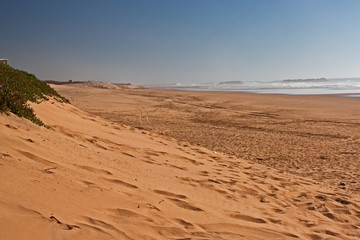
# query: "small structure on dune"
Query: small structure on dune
{"points": [[4, 61]]}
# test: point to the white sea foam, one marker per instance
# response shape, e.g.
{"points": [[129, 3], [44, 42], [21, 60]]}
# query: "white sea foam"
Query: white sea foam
{"points": [[306, 86]]}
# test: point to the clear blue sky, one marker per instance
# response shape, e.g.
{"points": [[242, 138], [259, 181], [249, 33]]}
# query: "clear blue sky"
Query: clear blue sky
{"points": [[168, 41]]}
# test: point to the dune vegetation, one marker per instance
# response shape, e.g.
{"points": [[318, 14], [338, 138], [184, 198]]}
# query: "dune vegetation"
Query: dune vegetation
{"points": [[18, 87]]}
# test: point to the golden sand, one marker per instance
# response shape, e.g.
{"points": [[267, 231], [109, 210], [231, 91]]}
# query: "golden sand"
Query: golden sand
{"points": [[90, 178]]}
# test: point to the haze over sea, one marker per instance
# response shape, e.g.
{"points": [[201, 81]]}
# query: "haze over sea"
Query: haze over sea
{"points": [[345, 86]]}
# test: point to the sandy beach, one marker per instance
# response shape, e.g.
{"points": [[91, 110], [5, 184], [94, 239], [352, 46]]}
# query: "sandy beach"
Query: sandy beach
{"points": [[156, 164], [311, 136]]}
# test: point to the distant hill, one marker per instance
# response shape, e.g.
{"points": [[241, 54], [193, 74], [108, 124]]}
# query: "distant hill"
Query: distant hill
{"points": [[18, 87], [94, 84]]}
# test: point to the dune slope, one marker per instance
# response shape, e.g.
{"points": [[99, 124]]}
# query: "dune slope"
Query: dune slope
{"points": [[88, 178]]}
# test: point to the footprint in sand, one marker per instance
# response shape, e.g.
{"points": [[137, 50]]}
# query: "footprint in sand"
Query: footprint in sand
{"points": [[177, 167], [93, 169], [247, 218], [130, 215], [64, 225], [184, 205], [169, 194], [117, 181], [175, 198], [103, 227], [128, 154], [204, 173], [36, 158], [11, 126], [184, 223]]}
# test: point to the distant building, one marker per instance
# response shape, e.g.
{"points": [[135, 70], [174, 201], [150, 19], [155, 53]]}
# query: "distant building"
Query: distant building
{"points": [[71, 81], [4, 61]]}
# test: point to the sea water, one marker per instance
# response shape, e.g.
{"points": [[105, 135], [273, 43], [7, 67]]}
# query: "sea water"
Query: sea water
{"points": [[346, 86]]}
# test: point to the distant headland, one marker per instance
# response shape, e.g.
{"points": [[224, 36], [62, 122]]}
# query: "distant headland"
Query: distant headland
{"points": [[94, 84]]}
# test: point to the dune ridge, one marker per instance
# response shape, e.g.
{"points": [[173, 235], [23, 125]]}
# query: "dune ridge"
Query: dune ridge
{"points": [[89, 178]]}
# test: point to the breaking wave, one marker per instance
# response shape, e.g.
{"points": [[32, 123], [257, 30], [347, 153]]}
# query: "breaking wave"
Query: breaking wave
{"points": [[290, 86]]}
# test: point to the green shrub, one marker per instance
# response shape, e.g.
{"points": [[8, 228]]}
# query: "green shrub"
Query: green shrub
{"points": [[18, 87]]}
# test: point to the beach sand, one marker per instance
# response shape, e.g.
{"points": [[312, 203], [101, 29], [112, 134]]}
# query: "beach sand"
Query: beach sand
{"points": [[311, 136], [86, 177]]}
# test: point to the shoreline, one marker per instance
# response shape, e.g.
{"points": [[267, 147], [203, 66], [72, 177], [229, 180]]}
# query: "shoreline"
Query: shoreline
{"points": [[160, 88], [291, 87], [352, 94]]}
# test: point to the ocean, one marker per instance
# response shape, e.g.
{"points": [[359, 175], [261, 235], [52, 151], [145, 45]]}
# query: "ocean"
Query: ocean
{"points": [[343, 86]]}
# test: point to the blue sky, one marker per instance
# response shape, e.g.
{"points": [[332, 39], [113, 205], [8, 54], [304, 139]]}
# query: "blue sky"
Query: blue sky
{"points": [[169, 41]]}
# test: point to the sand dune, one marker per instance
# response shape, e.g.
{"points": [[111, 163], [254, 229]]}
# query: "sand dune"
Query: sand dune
{"points": [[89, 178]]}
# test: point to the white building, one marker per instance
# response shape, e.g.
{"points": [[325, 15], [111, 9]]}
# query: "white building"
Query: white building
{"points": [[4, 61]]}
